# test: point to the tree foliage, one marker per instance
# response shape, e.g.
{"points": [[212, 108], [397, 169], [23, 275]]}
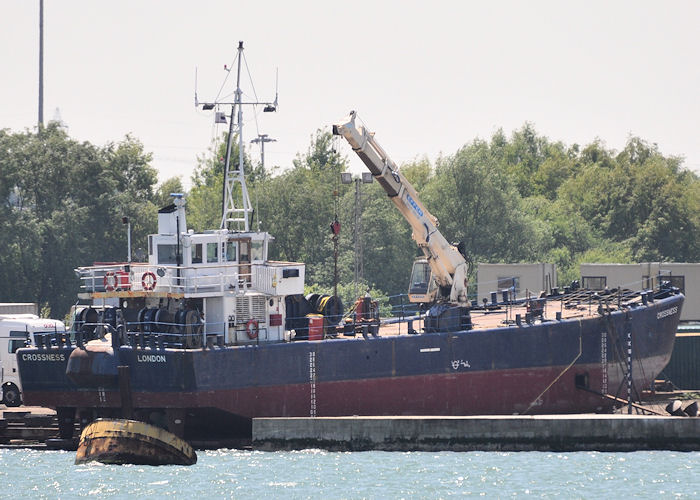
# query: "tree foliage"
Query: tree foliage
{"points": [[521, 198], [298, 206], [62, 207]]}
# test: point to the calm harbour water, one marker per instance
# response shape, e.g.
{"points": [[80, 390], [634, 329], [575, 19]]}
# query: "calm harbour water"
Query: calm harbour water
{"points": [[321, 474]]}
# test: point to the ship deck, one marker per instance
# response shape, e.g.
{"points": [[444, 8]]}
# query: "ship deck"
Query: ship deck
{"points": [[578, 305]]}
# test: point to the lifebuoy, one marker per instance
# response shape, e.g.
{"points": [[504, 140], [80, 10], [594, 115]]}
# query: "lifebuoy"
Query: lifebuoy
{"points": [[148, 280], [251, 328], [110, 281]]}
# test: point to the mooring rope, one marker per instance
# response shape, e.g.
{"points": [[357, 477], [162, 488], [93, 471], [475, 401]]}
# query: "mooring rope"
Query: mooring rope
{"points": [[580, 351]]}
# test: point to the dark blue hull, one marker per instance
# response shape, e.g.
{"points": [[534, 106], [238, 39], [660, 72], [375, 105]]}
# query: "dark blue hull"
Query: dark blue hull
{"points": [[548, 367]]}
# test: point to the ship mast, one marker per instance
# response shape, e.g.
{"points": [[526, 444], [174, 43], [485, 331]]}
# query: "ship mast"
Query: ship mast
{"points": [[231, 214], [236, 216]]}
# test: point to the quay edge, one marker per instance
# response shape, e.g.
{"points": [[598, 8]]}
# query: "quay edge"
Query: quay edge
{"points": [[557, 433]]}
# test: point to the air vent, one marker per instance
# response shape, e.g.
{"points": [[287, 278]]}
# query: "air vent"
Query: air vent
{"points": [[258, 307], [243, 309]]}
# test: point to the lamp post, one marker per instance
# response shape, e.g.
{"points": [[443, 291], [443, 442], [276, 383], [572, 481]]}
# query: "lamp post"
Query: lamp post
{"points": [[41, 64], [347, 178], [125, 220]]}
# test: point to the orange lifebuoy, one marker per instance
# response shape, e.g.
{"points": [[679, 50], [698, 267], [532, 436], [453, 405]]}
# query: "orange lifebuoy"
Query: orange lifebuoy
{"points": [[148, 280], [251, 328], [110, 281]]}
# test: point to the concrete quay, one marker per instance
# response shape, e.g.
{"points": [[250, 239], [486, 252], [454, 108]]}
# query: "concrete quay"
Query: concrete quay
{"points": [[559, 433]]}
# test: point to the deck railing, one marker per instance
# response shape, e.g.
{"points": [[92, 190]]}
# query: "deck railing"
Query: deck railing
{"points": [[165, 278]]}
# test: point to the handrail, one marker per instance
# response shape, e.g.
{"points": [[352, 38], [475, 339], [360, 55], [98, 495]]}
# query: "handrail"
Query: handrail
{"points": [[165, 278]]}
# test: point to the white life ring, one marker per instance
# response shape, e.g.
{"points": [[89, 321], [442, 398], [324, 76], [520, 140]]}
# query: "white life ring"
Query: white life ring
{"points": [[148, 281], [251, 328], [110, 281]]}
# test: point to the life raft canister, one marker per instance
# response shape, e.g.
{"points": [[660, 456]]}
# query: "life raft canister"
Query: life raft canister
{"points": [[148, 281], [251, 328], [110, 281]]}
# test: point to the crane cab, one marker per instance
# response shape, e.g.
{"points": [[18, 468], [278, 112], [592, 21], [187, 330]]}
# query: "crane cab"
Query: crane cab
{"points": [[422, 287]]}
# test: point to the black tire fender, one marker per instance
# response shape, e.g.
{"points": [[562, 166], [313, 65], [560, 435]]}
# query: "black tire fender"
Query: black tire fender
{"points": [[11, 395]]}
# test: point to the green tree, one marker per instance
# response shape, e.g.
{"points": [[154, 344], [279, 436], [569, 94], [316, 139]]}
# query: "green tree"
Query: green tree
{"points": [[161, 197], [639, 199], [536, 165], [63, 204], [385, 237], [477, 202], [298, 206], [205, 198]]}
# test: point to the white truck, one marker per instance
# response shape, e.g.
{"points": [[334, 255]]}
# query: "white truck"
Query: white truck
{"points": [[20, 330]]}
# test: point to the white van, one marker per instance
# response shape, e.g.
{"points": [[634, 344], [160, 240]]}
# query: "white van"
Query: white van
{"points": [[16, 331]]}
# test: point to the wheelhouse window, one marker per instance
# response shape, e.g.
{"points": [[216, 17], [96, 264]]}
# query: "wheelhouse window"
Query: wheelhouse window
{"points": [[231, 251], [212, 252], [257, 250], [167, 254], [594, 282], [245, 251], [197, 253]]}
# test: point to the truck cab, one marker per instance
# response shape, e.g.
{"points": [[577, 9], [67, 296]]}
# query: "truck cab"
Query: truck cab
{"points": [[16, 331]]}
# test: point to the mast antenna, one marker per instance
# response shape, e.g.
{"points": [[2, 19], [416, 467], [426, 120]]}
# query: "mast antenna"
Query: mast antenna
{"points": [[236, 209], [196, 101]]}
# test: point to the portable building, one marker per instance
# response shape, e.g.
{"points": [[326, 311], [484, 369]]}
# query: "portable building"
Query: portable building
{"points": [[521, 279], [683, 275]]}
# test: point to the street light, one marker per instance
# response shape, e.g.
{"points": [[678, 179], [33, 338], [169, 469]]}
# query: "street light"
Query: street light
{"points": [[366, 178]]}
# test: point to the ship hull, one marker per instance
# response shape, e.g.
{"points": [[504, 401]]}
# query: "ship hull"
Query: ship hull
{"points": [[549, 367]]}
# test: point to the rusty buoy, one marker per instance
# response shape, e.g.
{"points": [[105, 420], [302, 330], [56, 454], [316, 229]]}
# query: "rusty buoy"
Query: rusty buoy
{"points": [[122, 441]]}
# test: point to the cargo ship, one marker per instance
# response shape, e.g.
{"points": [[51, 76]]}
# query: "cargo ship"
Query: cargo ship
{"points": [[209, 333]]}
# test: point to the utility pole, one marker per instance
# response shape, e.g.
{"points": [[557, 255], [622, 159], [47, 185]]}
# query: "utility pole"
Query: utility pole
{"points": [[262, 139], [41, 63]]}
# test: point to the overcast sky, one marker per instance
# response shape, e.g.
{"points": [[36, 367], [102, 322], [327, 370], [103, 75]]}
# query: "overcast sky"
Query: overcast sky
{"points": [[426, 76]]}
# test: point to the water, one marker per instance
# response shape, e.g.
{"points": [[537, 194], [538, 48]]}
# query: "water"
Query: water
{"points": [[381, 475]]}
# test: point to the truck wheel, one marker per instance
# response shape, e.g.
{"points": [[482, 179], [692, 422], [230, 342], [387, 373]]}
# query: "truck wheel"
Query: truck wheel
{"points": [[11, 396]]}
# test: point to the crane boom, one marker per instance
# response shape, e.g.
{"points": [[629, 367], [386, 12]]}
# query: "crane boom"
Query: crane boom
{"points": [[448, 266]]}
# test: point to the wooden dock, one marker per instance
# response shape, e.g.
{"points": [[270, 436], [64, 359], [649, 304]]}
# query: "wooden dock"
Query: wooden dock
{"points": [[27, 427]]}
